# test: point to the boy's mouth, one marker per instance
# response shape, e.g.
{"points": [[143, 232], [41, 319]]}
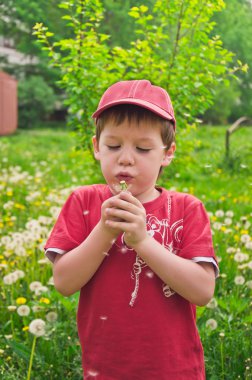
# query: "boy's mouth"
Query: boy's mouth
{"points": [[124, 177]]}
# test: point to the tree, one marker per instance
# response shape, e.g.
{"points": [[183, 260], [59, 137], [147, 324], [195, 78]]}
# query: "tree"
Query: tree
{"points": [[234, 26], [173, 49]]}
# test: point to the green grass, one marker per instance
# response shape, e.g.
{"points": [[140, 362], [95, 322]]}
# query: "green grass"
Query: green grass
{"points": [[36, 167]]}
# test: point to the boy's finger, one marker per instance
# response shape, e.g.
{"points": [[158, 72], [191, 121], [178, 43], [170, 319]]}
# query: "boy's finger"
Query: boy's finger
{"points": [[127, 196]]}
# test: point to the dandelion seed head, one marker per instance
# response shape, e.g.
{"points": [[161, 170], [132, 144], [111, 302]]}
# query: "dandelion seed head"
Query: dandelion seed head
{"points": [[23, 310], [239, 280], [37, 327], [212, 304], [52, 316], [219, 213], [211, 324], [35, 285]]}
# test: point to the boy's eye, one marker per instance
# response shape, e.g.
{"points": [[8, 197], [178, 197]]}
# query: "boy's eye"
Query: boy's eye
{"points": [[143, 150], [113, 147]]}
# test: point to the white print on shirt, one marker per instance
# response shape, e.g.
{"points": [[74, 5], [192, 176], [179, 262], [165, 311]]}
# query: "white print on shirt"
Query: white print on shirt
{"points": [[166, 235]]}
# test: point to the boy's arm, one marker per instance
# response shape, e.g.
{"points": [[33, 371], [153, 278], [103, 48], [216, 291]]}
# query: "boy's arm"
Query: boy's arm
{"points": [[195, 282], [72, 270]]}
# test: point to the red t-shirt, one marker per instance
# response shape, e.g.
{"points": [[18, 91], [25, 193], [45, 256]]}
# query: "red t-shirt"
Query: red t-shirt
{"points": [[130, 324]]}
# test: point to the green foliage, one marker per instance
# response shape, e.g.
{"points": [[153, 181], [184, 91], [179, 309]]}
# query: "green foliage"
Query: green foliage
{"points": [[39, 168], [173, 49], [234, 26], [35, 101]]}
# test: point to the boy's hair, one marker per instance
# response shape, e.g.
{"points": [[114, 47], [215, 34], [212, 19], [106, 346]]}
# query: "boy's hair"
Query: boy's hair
{"points": [[117, 114]]}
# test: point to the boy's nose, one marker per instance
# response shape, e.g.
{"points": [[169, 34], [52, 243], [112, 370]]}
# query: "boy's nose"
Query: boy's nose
{"points": [[126, 157]]}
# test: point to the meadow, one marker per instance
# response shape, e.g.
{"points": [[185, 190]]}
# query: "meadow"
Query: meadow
{"points": [[38, 170]]}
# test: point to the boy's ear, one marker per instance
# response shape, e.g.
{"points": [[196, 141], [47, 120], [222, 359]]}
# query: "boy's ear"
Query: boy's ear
{"points": [[168, 155], [96, 148]]}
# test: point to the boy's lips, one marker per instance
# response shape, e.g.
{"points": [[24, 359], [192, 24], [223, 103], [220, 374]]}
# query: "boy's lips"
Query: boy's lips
{"points": [[124, 177]]}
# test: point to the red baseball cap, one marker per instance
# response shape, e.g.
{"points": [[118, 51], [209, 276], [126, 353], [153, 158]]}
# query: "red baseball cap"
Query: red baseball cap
{"points": [[141, 93]]}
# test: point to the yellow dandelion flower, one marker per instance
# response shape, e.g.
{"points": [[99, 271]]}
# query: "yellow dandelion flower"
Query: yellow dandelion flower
{"points": [[235, 200], [45, 300], [1, 225], [1, 257], [214, 218], [236, 237], [10, 224], [244, 232], [223, 228], [9, 193], [19, 206], [25, 328], [21, 301], [219, 171]]}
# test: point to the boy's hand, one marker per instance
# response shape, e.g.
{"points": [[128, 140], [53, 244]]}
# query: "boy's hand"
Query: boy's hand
{"points": [[109, 204], [127, 214]]}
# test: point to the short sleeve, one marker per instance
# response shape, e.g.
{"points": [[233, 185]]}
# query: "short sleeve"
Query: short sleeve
{"points": [[70, 229], [197, 237]]}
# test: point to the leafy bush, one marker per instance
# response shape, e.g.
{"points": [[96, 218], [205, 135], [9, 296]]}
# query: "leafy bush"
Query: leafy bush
{"points": [[36, 101], [173, 49]]}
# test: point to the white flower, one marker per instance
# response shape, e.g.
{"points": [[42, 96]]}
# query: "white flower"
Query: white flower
{"points": [[23, 310], [51, 316], [229, 214], [212, 304], [231, 250], [250, 265], [50, 281], [35, 285], [37, 309], [239, 280], [249, 284], [19, 273], [248, 245], [245, 238], [12, 308], [37, 327], [228, 221], [40, 290], [217, 225], [219, 213], [240, 257], [211, 324]]}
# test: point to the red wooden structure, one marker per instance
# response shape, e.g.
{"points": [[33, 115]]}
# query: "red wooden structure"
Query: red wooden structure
{"points": [[8, 104]]}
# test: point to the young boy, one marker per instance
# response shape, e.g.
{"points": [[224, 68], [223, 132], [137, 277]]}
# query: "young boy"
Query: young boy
{"points": [[143, 257]]}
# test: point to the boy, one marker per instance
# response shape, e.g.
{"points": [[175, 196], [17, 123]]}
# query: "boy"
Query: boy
{"points": [[142, 258]]}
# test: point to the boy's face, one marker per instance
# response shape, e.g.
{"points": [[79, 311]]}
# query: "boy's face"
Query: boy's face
{"points": [[134, 154]]}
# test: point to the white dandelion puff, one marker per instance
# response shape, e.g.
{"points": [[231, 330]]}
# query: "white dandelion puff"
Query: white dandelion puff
{"points": [[211, 324], [23, 310], [245, 238], [229, 214], [212, 304], [219, 213], [52, 316], [239, 280], [35, 285], [37, 327]]}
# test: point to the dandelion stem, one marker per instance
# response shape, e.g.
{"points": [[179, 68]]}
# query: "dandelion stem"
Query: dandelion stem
{"points": [[222, 360], [31, 358]]}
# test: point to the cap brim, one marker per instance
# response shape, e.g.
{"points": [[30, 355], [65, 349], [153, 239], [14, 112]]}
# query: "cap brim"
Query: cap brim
{"points": [[139, 102]]}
